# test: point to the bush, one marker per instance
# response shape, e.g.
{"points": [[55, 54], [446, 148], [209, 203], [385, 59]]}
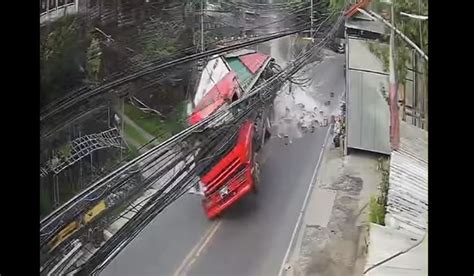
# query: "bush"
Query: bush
{"points": [[377, 211], [378, 203]]}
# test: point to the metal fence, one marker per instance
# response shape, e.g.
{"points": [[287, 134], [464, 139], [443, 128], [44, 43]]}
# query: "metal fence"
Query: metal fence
{"points": [[54, 5], [53, 9]]}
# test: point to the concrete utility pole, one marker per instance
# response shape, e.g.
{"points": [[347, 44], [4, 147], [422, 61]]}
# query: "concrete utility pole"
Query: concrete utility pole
{"points": [[394, 120], [311, 20], [391, 49], [123, 132], [202, 25], [404, 37]]}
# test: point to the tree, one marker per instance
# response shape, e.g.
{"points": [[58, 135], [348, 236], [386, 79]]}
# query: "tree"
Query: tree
{"points": [[415, 30], [61, 57]]}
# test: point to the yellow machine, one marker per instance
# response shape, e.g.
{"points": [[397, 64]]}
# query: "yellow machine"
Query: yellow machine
{"points": [[74, 226]]}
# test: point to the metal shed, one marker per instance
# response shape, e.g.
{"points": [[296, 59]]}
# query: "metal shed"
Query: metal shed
{"points": [[368, 115]]}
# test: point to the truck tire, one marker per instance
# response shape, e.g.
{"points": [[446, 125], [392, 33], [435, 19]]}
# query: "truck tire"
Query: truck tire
{"points": [[267, 135], [256, 176]]}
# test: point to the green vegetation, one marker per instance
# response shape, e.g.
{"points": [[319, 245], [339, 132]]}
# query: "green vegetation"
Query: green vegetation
{"points": [[382, 52], [377, 211], [70, 55], [60, 56], [65, 151], [133, 134], [132, 152], [46, 205], [337, 5], [93, 65], [159, 47], [415, 30], [155, 125], [377, 204]]}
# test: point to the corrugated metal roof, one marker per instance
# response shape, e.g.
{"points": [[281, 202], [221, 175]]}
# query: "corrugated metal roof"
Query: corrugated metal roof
{"points": [[407, 203], [414, 142], [407, 210], [367, 26], [253, 62], [240, 52]]}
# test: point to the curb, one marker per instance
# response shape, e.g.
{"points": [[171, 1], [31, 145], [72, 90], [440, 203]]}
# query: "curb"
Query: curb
{"points": [[304, 205]]}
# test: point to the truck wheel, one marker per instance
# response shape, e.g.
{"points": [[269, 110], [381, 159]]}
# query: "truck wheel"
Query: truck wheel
{"points": [[267, 134], [256, 177]]}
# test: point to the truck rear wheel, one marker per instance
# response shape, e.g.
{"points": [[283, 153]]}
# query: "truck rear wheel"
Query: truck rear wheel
{"points": [[267, 135], [256, 176]]}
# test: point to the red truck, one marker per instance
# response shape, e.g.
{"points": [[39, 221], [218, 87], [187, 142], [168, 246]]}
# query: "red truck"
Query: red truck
{"points": [[225, 79]]}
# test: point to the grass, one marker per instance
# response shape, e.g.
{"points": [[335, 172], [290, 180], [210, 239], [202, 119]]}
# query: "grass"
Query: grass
{"points": [[155, 125], [133, 134], [131, 153], [46, 204], [377, 211], [377, 204]]}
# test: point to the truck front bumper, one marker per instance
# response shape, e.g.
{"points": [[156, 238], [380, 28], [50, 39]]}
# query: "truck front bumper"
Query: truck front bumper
{"points": [[237, 188]]}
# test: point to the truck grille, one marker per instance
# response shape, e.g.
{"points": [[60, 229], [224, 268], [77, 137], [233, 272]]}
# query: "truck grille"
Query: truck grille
{"points": [[234, 169]]}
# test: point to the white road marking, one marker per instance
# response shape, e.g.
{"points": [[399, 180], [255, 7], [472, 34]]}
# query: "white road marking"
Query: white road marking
{"points": [[303, 207]]}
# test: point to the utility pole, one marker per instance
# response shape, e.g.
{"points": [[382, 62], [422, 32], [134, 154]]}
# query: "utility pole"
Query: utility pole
{"points": [[417, 86], [394, 120], [123, 133], [404, 37], [202, 25], [311, 20], [420, 25]]}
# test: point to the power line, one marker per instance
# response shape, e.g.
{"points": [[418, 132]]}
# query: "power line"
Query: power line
{"points": [[67, 206], [129, 231], [107, 183], [64, 102], [152, 62], [159, 67]]}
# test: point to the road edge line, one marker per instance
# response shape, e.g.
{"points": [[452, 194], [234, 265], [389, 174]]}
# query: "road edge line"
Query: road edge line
{"points": [[305, 203]]}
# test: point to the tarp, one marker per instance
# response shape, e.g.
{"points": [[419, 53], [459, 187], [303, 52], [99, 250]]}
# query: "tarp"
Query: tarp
{"points": [[243, 74]]}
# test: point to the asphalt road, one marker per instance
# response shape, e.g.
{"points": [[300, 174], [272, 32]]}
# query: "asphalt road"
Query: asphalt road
{"points": [[252, 237]]}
